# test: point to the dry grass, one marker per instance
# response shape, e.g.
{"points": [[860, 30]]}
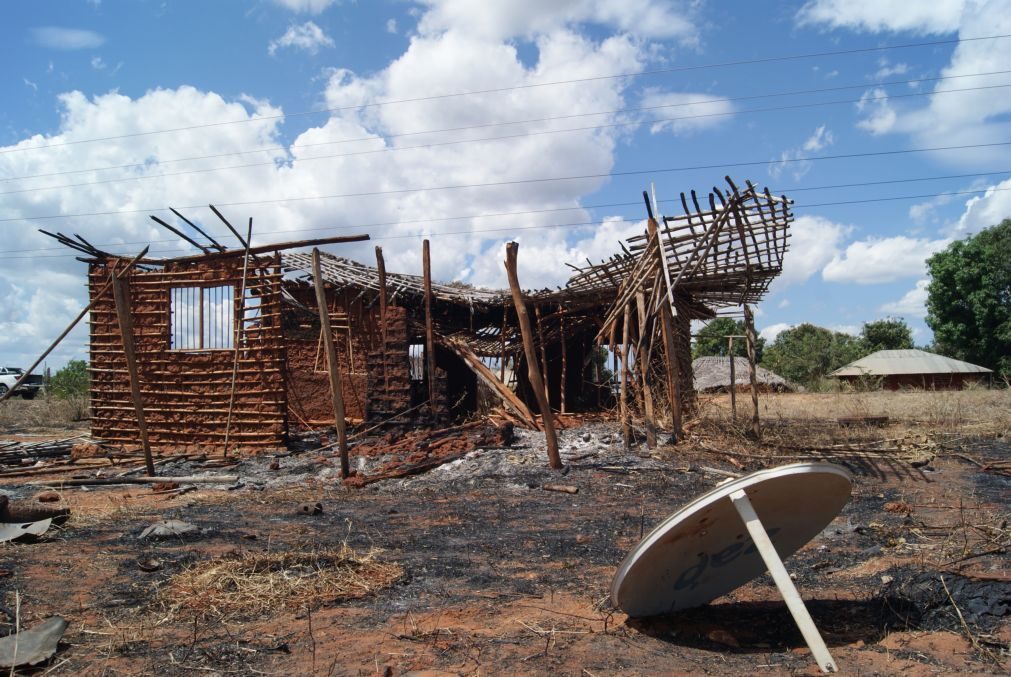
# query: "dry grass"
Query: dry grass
{"points": [[250, 584], [44, 413], [971, 412]]}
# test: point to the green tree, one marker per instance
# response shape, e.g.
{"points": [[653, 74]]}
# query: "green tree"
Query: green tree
{"points": [[710, 339], [807, 353], [71, 381], [890, 333], [969, 298]]}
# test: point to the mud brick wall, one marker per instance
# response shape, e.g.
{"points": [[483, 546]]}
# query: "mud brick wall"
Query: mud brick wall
{"points": [[307, 379], [186, 393], [389, 377]]}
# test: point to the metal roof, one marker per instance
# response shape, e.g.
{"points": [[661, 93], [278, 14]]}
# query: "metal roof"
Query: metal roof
{"points": [[891, 362]]}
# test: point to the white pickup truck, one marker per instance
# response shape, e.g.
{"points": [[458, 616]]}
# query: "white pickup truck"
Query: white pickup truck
{"points": [[29, 389]]}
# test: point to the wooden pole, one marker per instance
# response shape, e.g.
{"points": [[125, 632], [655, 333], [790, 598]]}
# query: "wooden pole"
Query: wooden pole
{"points": [[121, 294], [533, 373], [642, 359], [73, 323], [733, 379], [429, 333], [749, 332], [336, 392], [565, 381], [543, 352], [667, 330], [626, 426], [237, 334], [381, 267], [502, 351]]}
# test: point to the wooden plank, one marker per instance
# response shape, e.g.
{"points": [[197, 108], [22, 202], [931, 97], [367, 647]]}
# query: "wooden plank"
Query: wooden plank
{"points": [[429, 333], [333, 369], [642, 360], [262, 249], [121, 295], [533, 373], [626, 425], [240, 319], [487, 376]]}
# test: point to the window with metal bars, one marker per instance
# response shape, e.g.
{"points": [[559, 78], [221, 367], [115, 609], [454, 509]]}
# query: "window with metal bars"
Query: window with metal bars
{"points": [[202, 318]]}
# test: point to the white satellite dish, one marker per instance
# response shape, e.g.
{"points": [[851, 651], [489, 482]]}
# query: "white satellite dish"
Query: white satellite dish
{"points": [[733, 534]]}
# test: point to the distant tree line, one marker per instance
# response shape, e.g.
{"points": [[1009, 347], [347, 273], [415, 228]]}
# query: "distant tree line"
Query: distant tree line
{"points": [[968, 309]]}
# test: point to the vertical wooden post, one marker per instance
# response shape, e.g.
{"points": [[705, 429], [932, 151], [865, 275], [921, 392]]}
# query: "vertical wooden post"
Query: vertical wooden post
{"points": [[336, 391], [749, 332], [240, 326], [533, 373], [565, 381], [429, 334], [642, 359], [121, 294], [543, 353], [667, 329], [502, 351], [733, 379], [626, 426], [381, 267]]}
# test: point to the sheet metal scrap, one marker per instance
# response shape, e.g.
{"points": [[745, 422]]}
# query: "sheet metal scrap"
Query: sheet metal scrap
{"points": [[32, 647]]}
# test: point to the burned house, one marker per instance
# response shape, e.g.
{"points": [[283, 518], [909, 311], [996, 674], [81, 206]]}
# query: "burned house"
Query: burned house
{"points": [[227, 350]]}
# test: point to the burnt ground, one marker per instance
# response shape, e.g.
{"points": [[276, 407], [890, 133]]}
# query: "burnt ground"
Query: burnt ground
{"points": [[501, 576]]}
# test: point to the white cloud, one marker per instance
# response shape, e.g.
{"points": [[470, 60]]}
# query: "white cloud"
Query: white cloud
{"points": [[97, 63], [711, 111], [306, 6], [501, 20], [814, 241], [55, 37], [391, 26], [987, 210], [29, 83], [939, 16], [851, 329], [773, 330], [913, 303], [886, 69], [967, 118], [879, 117], [308, 37], [790, 158], [450, 60], [875, 261], [785, 303]]}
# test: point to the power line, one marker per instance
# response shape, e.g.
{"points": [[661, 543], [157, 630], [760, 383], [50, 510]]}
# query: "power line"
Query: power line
{"points": [[272, 163], [571, 225], [516, 182], [659, 71], [703, 102], [527, 212]]}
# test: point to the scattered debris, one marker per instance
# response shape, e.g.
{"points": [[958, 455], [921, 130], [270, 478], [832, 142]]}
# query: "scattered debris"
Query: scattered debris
{"points": [[32, 647], [12, 531], [563, 488], [169, 528], [310, 508]]}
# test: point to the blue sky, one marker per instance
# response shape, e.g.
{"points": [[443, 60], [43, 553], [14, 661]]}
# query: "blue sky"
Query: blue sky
{"points": [[98, 83]]}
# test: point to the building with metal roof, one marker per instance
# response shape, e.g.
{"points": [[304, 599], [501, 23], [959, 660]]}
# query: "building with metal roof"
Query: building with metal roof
{"points": [[913, 369]]}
